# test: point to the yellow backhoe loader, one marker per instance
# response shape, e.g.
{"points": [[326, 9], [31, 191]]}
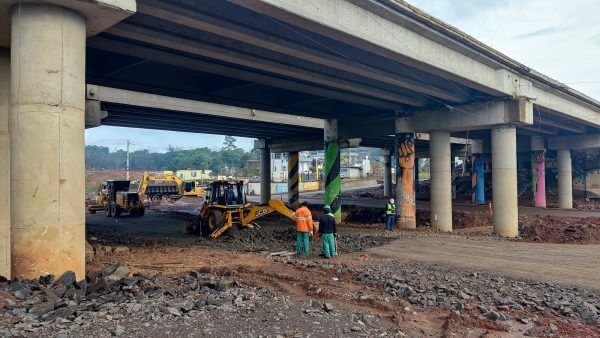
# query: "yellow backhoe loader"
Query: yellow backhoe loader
{"points": [[226, 208], [167, 185]]}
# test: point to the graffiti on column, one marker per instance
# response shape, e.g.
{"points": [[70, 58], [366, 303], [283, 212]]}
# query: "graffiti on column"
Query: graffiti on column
{"points": [[538, 182], [406, 163], [477, 179], [332, 177]]}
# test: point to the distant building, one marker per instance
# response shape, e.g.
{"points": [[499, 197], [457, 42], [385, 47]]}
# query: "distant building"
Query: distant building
{"points": [[194, 174], [351, 172]]}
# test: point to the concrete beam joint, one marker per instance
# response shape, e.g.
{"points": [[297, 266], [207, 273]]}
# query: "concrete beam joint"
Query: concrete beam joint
{"points": [[94, 114], [469, 117], [589, 141], [99, 14]]}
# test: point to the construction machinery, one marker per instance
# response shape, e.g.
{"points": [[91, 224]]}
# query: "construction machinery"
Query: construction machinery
{"points": [[100, 200], [167, 185], [121, 200], [226, 208]]}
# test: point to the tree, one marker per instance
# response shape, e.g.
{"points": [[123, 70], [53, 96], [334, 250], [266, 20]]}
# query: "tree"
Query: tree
{"points": [[229, 143]]}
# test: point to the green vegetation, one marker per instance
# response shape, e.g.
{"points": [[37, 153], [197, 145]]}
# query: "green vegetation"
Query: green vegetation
{"points": [[230, 160]]}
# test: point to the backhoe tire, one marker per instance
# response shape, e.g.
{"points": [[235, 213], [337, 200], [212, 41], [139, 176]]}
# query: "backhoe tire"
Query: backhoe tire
{"points": [[215, 218], [115, 211], [141, 212], [108, 210], [92, 211]]}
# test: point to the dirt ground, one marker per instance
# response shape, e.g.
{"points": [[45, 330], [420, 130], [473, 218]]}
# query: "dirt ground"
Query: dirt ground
{"points": [[356, 283]]}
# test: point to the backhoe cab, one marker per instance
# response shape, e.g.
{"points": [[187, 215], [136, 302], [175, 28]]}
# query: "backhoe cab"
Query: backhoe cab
{"points": [[121, 200], [226, 208]]}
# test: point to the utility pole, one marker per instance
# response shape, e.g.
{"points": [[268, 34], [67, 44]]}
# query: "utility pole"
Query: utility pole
{"points": [[127, 169]]}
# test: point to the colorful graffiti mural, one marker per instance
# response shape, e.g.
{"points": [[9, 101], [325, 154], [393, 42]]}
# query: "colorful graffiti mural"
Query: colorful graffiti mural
{"points": [[406, 163], [477, 179], [538, 181]]}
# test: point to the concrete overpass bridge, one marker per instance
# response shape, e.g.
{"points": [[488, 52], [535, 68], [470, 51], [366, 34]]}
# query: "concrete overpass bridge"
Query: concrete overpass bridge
{"points": [[337, 71]]}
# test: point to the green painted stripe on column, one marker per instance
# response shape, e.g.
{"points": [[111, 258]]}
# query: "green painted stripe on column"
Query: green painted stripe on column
{"points": [[332, 177]]}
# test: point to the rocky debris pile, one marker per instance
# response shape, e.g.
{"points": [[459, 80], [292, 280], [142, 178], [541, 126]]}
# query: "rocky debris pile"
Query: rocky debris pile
{"points": [[365, 215], [496, 297], [262, 239], [481, 295], [460, 219], [111, 295], [560, 229]]}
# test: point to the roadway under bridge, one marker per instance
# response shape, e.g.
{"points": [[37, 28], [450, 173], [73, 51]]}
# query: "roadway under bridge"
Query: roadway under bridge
{"points": [[298, 75]]}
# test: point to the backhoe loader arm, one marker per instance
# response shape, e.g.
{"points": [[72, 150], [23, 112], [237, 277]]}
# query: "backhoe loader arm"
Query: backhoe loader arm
{"points": [[259, 211]]}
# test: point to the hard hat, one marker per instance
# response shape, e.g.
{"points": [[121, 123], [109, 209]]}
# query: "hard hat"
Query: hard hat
{"points": [[392, 200], [327, 209]]}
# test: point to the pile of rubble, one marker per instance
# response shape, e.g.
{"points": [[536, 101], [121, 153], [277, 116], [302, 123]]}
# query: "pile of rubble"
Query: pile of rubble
{"points": [[65, 305], [265, 239], [560, 229], [545, 308], [491, 297]]}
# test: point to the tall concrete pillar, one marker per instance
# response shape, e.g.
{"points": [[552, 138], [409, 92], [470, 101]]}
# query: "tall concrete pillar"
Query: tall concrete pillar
{"points": [[565, 179], [293, 180], [4, 164], [477, 173], [538, 171], [405, 180], [441, 182], [331, 169], [387, 175], [504, 181], [47, 140], [265, 174]]}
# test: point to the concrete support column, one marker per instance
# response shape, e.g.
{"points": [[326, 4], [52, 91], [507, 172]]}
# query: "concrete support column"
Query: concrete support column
{"points": [[387, 175], [565, 179], [477, 173], [416, 174], [504, 181], [47, 140], [441, 181], [293, 180], [4, 164], [405, 180], [538, 171], [331, 169], [265, 174]]}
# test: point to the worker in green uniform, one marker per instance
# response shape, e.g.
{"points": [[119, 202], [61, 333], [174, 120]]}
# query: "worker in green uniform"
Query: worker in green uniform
{"points": [[328, 232]]}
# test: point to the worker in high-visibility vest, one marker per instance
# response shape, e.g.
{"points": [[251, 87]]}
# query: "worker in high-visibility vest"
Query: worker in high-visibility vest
{"points": [[304, 229], [390, 212]]}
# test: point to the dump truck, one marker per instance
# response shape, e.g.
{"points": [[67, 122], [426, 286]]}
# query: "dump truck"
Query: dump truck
{"points": [[226, 209], [168, 186], [121, 200]]}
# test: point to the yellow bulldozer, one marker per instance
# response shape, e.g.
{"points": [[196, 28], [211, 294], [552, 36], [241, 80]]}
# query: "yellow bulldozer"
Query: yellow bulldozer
{"points": [[226, 208], [99, 201], [168, 186]]}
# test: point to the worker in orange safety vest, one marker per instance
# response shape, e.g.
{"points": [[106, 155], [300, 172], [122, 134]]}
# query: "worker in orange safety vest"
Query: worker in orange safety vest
{"points": [[304, 229]]}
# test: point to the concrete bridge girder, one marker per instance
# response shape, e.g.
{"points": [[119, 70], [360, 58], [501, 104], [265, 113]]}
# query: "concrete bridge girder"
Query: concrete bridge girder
{"points": [[377, 26]]}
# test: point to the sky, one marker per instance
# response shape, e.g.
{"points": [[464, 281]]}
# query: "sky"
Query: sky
{"points": [[558, 38], [156, 140]]}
